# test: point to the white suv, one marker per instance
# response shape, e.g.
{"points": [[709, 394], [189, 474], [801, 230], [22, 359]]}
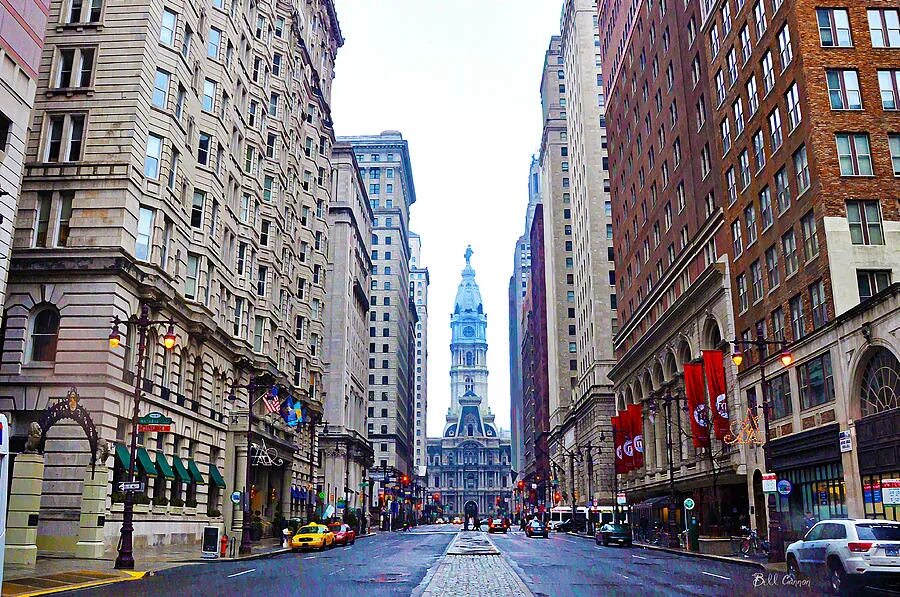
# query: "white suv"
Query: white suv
{"points": [[849, 554]]}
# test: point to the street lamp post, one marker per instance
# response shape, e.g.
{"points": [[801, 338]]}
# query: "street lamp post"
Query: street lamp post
{"points": [[776, 536], [668, 398], [589, 462], [142, 323], [615, 475]]}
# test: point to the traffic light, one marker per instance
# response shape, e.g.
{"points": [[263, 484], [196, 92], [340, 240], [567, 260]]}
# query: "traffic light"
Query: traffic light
{"points": [[521, 484], [557, 497]]}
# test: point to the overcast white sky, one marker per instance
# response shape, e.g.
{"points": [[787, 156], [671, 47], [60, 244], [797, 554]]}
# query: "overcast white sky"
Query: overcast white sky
{"points": [[460, 79]]}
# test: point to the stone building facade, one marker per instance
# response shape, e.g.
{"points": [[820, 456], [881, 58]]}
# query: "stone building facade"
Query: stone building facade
{"points": [[386, 169], [471, 461], [196, 185], [346, 452], [21, 40]]}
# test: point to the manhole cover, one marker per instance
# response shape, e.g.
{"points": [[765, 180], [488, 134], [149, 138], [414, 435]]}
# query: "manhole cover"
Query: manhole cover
{"points": [[388, 577]]}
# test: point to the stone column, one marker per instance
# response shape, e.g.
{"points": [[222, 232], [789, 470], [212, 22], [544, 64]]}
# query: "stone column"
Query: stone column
{"points": [[240, 473], [93, 510], [24, 508]]}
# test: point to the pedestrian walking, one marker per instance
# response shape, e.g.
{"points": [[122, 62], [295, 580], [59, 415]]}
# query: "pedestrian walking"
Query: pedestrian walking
{"points": [[809, 521]]}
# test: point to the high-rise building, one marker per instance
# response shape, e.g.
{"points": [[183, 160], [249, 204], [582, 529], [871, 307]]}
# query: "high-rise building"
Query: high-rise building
{"points": [[345, 444], [803, 107], [559, 262], [596, 319], [518, 284], [469, 465], [21, 39], [386, 169], [535, 383], [418, 290], [178, 162]]}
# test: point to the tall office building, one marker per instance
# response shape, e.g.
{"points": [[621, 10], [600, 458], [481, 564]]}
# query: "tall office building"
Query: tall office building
{"points": [[21, 39], [386, 169], [672, 273], [418, 289], [518, 285], [179, 163], [596, 319], [344, 444]]}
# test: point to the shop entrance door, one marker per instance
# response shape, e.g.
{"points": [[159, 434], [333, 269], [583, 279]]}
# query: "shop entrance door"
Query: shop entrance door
{"points": [[759, 505]]}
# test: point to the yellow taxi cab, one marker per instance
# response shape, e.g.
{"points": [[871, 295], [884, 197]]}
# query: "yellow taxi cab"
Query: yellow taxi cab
{"points": [[312, 536]]}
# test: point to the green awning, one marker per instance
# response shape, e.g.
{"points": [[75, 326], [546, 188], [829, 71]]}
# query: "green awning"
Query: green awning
{"points": [[215, 476], [180, 471], [123, 456], [195, 473], [146, 462], [163, 466]]}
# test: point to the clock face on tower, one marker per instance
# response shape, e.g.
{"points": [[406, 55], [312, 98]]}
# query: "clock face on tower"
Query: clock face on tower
{"points": [[468, 331]]}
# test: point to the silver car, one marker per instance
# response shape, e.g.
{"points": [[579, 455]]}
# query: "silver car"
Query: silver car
{"points": [[849, 554]]}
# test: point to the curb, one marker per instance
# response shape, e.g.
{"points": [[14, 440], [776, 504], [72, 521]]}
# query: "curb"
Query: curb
{"points": [[87, 585], [693, 554]]}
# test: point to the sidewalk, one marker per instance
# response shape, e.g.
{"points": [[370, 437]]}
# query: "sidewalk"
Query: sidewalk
{"points": [[740, 560], [53, 574]]}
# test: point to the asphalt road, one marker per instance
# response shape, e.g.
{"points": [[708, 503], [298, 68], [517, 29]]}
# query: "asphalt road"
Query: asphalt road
{"points": [[396, 563], [387, 564], [563, 566]]}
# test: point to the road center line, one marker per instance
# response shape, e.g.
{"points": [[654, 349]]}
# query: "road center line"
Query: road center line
{"points": [[310, 558], [623, 576], [240, 573], [335, 572], [716, 575], [638, 557]]}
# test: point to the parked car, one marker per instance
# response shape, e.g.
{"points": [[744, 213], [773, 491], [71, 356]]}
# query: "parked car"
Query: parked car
{"points": [[563, 526], [312, 536], [457, 520], [439, 521], [849, 554], [614, 533], [536, 528], [343, 534], [498, 525]]}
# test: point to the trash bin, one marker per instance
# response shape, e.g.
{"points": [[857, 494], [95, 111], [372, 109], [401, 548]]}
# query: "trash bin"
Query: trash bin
{"points": [[694, 535]]}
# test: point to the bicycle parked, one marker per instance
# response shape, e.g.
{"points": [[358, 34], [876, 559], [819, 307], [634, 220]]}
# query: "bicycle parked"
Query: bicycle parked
{"points": [[752, 544]]}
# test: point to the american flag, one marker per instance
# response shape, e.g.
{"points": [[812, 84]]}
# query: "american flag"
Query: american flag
{"points": [[271, 402]]}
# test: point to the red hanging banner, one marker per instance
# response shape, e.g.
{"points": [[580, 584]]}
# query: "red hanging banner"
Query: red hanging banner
{"points": [[637, 425], [627, 439], [715, 383], [617, 445], [696, 401]]}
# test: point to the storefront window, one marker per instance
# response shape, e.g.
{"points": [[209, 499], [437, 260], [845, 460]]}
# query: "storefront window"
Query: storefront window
{"points": [[816, 382], [816, 489], [779, 394], [874, 497]]}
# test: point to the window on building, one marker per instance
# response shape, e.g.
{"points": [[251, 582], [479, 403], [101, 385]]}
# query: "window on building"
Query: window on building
{"points": [[191, 276], [215, 42], [197, 207], [789, 250], [743, 298], [834, 27], [204, 145], [843, 89], [772, 273], [750, 221], [884, 27], [775, 133], [810, 242], [889, 84], [44, 334], [818, 304], [153, 156], [84, 11], [768, 72], [144, 237], [894, 145], [756, 280], [779, 395], [864, 218], [871, 282], [798, 326], [737, 238], [167, 27], [801, 170], [65, 136], [816, 381]]}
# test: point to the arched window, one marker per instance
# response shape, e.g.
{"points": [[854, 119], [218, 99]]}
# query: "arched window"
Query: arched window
{"points": [[470, 360], [880, 388], [45, 334], [471, 429], [470, 385]]}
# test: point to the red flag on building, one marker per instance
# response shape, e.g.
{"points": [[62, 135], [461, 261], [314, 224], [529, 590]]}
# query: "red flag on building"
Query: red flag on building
{"points": [[617, 445], [715, 383], [696, 401], [637, 423]]}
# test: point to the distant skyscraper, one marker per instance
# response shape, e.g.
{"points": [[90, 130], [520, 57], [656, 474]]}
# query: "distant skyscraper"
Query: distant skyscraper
{"points": [[418, 290]]}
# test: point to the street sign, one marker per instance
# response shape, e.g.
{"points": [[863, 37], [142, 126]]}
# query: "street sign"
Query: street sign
{"points": [[154, 422], [769, 483], [846, 441], [784, 487], [235, 497], [621, 499], [131, 486], [689, 504]]}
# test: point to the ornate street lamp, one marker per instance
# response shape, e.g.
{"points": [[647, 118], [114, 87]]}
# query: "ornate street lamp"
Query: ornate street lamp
{"points": [[142, 323]]}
